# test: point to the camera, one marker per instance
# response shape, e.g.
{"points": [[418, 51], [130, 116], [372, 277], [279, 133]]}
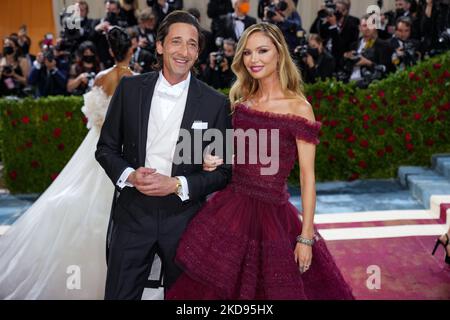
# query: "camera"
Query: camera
{"points": [[371, 74], [48, 53], [272, 9], [301, 51], [220, 55], [329, 10], [7, 69]]}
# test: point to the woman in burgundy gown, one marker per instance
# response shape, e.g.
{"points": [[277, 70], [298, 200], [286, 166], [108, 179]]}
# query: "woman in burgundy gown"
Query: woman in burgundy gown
{"points": [[248, 242]]}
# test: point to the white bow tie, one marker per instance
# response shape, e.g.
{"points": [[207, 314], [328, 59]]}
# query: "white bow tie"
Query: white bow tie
{"points": [[174, 92]]}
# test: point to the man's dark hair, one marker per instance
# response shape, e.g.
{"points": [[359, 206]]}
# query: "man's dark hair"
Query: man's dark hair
{"points": [[178, 16], [405, 20]]}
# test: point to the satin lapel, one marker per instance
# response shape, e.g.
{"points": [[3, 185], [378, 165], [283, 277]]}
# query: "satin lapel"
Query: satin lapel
{"points": [[145, 99], [193, 105]]}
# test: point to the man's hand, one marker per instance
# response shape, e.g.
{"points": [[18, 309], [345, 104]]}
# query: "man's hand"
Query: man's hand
{"points": [[332, 20], [364, 62], [150, 183], [224, 65]]}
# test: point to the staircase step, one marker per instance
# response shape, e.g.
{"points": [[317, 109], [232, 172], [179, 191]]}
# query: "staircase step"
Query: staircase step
{"points": [[405, 171], [435, 158], [443, 167], [423, 187]]}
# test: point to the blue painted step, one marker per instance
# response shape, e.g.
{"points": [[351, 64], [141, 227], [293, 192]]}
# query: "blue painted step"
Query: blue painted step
{"points": [[443, 167], [423, 187], [406, 171]]}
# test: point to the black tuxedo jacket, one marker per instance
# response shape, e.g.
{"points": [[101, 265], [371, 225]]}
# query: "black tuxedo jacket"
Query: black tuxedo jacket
{"points": [[123, 139]]}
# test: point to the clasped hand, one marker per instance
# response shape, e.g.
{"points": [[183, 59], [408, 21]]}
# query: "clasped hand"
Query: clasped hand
{"points": [[149, 182]]}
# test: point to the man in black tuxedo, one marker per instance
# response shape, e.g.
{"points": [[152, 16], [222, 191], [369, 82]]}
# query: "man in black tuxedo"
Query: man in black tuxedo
{"points": [[139, 141], [232, 25]]}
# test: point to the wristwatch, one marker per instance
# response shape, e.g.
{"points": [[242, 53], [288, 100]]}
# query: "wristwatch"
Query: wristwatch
{"points": [[179, 188]]}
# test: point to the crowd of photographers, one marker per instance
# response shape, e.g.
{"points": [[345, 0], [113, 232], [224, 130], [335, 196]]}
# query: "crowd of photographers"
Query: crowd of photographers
{"points": [[336, 45]]}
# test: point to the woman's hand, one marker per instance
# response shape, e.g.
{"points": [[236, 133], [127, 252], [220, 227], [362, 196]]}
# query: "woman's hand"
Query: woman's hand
{"points": [[211, 162], [303, 256]]}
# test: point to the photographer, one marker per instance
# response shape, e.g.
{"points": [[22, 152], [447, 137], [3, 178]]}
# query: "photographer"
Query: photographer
{"points": [[435, 26], [232, 25], [405, 50], [162, 8], [368, 58], [218, 73], [14, 68], [82, 72], [128, 11], [336, 27], [403, 9], [284, 14], [143, 57], [314, 61], [217, 9], [46, 75], [73, 37], [146, 30], [112, 18]]}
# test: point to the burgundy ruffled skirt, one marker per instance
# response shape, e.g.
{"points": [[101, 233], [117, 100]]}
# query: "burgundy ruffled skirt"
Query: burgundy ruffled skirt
{"points": [[240, 247]]}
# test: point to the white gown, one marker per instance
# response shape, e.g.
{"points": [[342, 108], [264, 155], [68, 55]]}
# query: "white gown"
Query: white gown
{"points": [[56, 249]]}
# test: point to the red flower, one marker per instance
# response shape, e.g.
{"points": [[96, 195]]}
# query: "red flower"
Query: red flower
{"points": [[419, 91], [408, 137], [333, 123], [351, 118], [69, 114], [348, 131], [389, 149], [412, 75], [26, 120], [45, 117], [53, 176], [390, 119], [366, 117], [354, 176], [351, 154], [373, 106], [13, 175], [417, 116], [381, 132], [365, 126], [427, 105], [14, 123], [437, 66], [331, 158], [353, 100], [29, 144], [339, 136], [400, 130], [8, 113], [84, 119], [57, 132], [319, 94], [426, 73], [429, 142], [330, 98], [446, 74], [374, 122], [381, 94], [310, 98], [431, 119], [61, 147], [369, 97], [364, 143], [341, 94], [35, 164], [403, 102], [363, 164], [410, 147], [380, 153], [351, 139], [413, 97]]}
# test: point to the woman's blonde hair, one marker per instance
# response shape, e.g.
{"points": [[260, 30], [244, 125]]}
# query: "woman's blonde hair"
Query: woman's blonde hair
{"points": [[246, 86]]}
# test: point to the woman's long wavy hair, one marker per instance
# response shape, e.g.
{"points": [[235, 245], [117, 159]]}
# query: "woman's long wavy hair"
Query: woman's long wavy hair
{"points": [[246, 86]]}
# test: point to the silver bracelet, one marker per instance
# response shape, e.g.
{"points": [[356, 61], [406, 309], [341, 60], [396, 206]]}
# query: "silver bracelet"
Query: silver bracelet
{"points": [[308, 242]]}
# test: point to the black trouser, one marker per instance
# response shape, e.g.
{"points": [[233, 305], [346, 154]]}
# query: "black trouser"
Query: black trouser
{"points": [[142, 227]]}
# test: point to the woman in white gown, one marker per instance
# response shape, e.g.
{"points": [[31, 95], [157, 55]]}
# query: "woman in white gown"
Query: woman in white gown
{"points": [[56, 249]]}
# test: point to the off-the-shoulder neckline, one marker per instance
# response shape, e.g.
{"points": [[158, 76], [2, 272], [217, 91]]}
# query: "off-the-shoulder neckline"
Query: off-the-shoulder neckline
{"points": [[287, 116]]}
